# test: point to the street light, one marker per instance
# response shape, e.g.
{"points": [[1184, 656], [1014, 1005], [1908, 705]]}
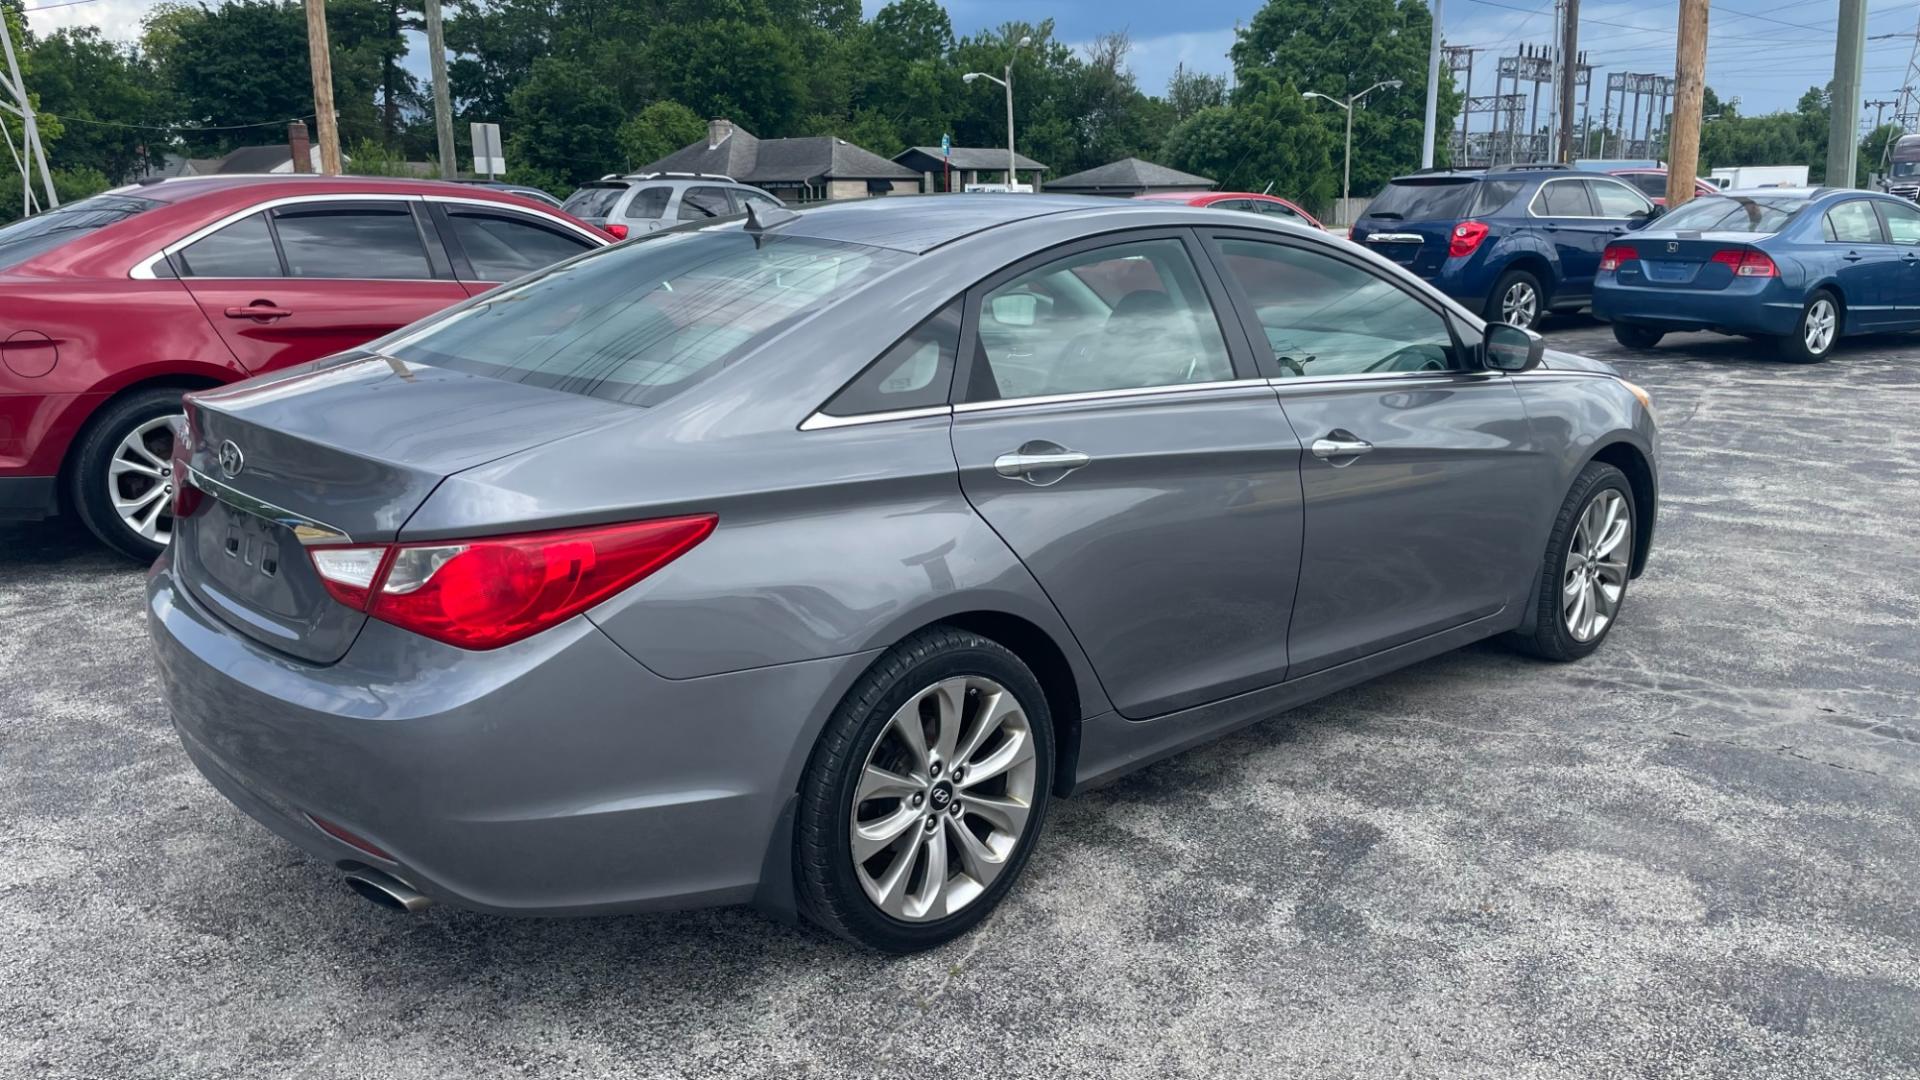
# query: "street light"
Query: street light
{"points": [[1346, 172], [1007, 82]]}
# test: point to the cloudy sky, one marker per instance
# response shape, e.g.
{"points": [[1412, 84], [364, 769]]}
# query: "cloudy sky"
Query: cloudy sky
{"points": [[1765, 52]]}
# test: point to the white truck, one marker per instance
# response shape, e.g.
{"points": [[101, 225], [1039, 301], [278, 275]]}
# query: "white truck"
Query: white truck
{"points": [[1759, 176]]}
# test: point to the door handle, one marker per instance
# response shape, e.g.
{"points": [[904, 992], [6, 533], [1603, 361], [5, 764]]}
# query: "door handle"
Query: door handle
{"points": [[1910, 258], [1853, 256], [259, 309], [1021, 464], [1344, 447]]}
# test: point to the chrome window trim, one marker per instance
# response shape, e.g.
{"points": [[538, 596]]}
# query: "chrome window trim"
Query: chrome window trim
{"points": [[820, 421], [1286, 381], [305, 529], [1106, 395], [144, 269], [1596, 178]]}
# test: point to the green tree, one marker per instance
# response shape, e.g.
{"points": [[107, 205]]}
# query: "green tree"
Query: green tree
{"points": [[101, 90], [748, 72], [1190, 91], [562, 121], [71, 184], [1264, 138], [659, 130]]}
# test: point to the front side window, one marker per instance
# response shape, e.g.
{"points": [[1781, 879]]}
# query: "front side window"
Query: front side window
{"points": [[639, 322], [915, 373], [697, 203], [243, 249], [1279, 210], [501, 248], [1324, 316], [1652, 184], [754, 198], [1853, 222], [1122, 317], [1615, 200], [1903, 222], [649, 203], [1562, 198], [367, 242]]}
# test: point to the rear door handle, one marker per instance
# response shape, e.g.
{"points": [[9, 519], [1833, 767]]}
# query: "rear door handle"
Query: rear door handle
{"points": [[1023, 463], [258, 310], [1345, 446], [1853, 256]]}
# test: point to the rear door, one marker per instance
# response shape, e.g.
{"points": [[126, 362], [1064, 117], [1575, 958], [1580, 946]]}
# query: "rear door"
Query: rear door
{"points": [[1564, 216], [1871, 272], [1902, 223], [647, 210], [488, 246], [311, 277], [1421, 484], [1122, 447]]}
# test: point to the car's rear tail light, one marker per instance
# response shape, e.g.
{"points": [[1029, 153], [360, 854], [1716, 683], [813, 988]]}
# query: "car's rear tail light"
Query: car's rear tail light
{"points": [[1615, 254], [1747, 262], [1466, 238], [619, 231], [488, 592], [186, 497]]}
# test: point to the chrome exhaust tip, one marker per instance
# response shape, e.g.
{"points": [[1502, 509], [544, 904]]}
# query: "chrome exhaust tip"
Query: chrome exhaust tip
{"points": [[386, 890]]}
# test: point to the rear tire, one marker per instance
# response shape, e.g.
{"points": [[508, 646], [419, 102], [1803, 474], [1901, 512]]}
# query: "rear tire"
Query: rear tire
{"points": [[121, 473], [1597, 518], [1636, 337], [1517, 300], [883, 775], [1816, 331]]}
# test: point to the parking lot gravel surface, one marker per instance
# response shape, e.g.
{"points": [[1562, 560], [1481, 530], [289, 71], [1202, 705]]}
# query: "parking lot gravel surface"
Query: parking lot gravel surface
{"points": [[1696, 854]]}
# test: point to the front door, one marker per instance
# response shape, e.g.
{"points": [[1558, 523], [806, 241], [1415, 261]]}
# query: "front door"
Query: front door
{"points": [[302, 281], [1111, 432], [1902, 222], [1421, 488], [1868, 268]]}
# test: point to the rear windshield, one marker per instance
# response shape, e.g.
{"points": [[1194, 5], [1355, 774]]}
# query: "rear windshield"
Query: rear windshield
{"points": [[638, 323], [594, 200], [1424, 200], [1741, 213], [28, 237]]}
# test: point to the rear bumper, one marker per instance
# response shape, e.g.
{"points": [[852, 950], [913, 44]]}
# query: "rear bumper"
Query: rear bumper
{"points": [[1760, 311], [28, 498], [555, 776]]}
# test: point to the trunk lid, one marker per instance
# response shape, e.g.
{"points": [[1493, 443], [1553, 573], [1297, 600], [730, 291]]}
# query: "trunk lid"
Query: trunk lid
{"points": [[1683, 260], [339, 453], [1411, 222]]}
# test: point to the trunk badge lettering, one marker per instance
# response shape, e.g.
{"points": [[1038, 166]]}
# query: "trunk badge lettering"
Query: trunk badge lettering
{"points": [[232, 461]]}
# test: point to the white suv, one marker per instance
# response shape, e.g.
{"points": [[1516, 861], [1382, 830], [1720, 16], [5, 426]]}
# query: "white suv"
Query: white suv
{"points": [[648, 201]]}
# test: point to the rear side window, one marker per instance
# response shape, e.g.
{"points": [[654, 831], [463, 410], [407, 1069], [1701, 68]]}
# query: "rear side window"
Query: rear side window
{"points": [[501, 248], [1853, 222], [704, 202], [1274, 209], [28, 237], [370, 242], [243, 249], [649, 203], [1438, 199], [593, 200], [915, 373], [639, 322], [1722, 213]]}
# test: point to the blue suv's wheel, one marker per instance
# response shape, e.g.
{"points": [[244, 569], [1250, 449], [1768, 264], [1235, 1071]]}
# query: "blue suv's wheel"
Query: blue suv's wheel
{"points": [[1517, 300]]}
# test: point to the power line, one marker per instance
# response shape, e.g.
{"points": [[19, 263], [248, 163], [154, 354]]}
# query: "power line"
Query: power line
{"points": [[176, 127]]}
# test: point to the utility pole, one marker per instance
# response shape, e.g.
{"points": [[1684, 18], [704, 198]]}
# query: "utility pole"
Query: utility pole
{"points": [[1690, 70], [22, 106], [1879, 110], [1843, 123], [320, 58], [442, 98], [1569, 70], [1430, 132]]}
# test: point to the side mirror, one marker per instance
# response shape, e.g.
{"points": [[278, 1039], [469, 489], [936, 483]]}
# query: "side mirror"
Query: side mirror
{"points": [[1509, 348]]}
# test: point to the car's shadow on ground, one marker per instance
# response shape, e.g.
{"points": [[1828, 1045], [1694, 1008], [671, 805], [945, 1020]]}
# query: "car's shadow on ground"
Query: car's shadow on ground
{"points": [[61, 542]]}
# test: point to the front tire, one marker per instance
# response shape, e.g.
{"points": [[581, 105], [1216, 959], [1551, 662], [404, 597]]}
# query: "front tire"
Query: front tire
{"points": [[122, 473], [1814, 335], [1636, 337], [1517, 300], [924, 795], [1588, 561]]}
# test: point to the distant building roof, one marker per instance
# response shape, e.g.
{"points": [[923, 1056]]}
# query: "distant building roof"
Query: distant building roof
{"points": [[277, 158], [735, 152], [974, 158], [1130, 176]]}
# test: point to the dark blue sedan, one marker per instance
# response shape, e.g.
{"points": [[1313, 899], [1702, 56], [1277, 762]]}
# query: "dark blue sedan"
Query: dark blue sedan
{"points": [[1802, 266]]}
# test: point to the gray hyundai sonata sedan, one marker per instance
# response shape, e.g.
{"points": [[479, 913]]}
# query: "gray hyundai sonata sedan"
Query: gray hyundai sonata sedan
{"points": [[802, 560]]}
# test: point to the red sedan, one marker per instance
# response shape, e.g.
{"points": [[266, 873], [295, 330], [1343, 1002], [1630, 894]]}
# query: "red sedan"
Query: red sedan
{"points": [[112, 307], [1653, 184], [1272, 205]]}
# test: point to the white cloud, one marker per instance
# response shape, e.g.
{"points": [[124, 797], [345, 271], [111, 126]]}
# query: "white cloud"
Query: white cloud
{"points": [[118, 19]]}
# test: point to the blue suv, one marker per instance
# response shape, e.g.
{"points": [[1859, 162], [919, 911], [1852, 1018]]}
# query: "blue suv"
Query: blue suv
{"points": [[1511, 242]]}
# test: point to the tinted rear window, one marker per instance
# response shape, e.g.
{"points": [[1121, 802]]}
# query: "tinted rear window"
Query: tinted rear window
{"points": [[1722, 213], [594, 200], [1424, 200], [638, 323], [28, 237]]}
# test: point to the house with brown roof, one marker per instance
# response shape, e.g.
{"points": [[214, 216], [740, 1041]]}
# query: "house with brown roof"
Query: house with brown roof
{"points": [[801, 170]]}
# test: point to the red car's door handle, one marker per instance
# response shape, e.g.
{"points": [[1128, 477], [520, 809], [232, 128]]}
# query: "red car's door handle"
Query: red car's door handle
{"points": [[259, 309]]}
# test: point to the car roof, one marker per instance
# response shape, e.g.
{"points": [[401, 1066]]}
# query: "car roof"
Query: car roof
{"points": [[920, 223], [182, 188]]}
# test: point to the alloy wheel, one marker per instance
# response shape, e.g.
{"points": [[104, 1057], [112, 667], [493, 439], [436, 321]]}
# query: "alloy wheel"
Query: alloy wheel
{"points": [[1596, 568], [1821, 322], [943, 798], [140, 479], [1519, 305]]}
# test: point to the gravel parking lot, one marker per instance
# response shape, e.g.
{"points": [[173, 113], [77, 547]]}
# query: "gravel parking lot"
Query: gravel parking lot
{"points": [[1696, 854]]}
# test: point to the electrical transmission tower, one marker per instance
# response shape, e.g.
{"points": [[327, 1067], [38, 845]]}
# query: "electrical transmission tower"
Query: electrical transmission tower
{"points": [[29, 153]]}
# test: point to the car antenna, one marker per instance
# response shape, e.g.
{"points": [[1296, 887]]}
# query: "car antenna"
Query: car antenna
{"points": [[760, 219], [1269, 188]]}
